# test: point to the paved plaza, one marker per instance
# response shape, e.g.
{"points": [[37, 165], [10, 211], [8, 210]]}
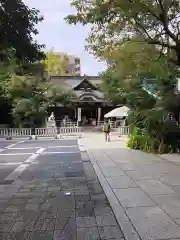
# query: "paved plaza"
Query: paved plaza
{"points": [[143, 189], [87, 189], [48, 192]]}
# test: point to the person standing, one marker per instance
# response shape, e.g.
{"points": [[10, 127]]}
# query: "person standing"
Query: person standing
{"points": [[107, 130]]}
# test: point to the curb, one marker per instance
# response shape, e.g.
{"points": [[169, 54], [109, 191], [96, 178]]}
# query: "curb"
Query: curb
{"points": [[126, 226]]}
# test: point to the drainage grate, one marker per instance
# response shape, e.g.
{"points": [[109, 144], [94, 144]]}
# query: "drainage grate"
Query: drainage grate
{"points": [[6, 182]]}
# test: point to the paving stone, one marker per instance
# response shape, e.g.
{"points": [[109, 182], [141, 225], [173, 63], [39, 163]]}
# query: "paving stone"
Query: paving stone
{"points": [[22, 195], [47, 214], [128, 166], [176, 189], [42, 235], [110, 232], [154, 187], [103, 210], [121, 182], [170, 179], [25, 190], [45, 224], [153, 223], [177, 221], [133, 197], [91, 175], [112, 172], [27, 215], [18, 202], [4, 182], [75, 174], [61, 222], [20, 226], [85, 209], [82, 192], [54, 189], [6, 236], [80, 186], [106, 220], [6, 226], [99, 199], [9, 216], [81, 199], [32, 207], [68, 232], [66, 213], [94, 187], [25, 235], [169, 203], [90, 233], [46, 206], [140, 175], [83, 222], [129, 231], [12, 208]]}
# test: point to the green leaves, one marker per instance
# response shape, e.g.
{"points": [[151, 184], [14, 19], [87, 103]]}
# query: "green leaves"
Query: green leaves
{"points": [[152, 22], [31, 98], [55, 64]]}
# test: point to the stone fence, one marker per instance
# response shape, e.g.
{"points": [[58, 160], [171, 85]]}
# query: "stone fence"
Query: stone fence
{"points": [[52, 132]]}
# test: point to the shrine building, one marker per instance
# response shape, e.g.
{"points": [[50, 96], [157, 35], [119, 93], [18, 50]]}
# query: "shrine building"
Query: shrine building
{"points": [[89, 104]]}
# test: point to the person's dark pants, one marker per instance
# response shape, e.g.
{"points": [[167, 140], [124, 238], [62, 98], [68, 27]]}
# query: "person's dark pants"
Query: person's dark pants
{"points": [[107, 136]]}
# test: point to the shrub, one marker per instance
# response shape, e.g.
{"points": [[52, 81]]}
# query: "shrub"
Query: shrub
{"points": [[139, 140], [136, 141]]}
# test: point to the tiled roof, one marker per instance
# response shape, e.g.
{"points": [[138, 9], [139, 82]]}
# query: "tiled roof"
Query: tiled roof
{"points": [[69, 82]]}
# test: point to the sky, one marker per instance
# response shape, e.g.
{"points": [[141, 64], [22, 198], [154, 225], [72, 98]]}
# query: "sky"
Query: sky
{"points": [[55, 33]]}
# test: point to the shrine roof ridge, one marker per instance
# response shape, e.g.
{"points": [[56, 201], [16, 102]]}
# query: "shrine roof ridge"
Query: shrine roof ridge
{"points": [[76, 77]]}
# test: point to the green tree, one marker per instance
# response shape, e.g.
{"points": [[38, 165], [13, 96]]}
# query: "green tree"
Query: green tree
{"points": [[18, 26], [6, 70], [129, 67], [56, 65], [31, 98], [153, 22], [30, 102]]}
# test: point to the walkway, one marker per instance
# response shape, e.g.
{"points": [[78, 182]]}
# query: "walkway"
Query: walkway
{"points": [[143, 189], [48, 193]]}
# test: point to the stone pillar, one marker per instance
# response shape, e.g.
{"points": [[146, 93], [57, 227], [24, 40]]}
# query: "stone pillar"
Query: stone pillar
{"points": [[178, 85], [99, 116], [79, 116]]}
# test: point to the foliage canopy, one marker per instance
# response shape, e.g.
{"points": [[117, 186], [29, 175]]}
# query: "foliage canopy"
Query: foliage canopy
{"points": [[18, 26], [155, 22]]}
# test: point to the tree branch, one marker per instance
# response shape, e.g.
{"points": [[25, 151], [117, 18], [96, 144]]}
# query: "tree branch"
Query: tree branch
{"points": [[157, 42], [164, 20]]}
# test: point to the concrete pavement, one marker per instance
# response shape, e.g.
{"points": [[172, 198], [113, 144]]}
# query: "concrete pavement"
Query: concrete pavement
{"points": [[143, 189], [48, 192]]}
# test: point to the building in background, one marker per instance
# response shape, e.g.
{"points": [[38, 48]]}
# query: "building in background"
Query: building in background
{"points": [[74, 63]]}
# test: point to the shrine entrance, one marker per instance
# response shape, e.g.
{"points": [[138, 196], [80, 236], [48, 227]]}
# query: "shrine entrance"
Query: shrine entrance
{"points": [[89, 115]]}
